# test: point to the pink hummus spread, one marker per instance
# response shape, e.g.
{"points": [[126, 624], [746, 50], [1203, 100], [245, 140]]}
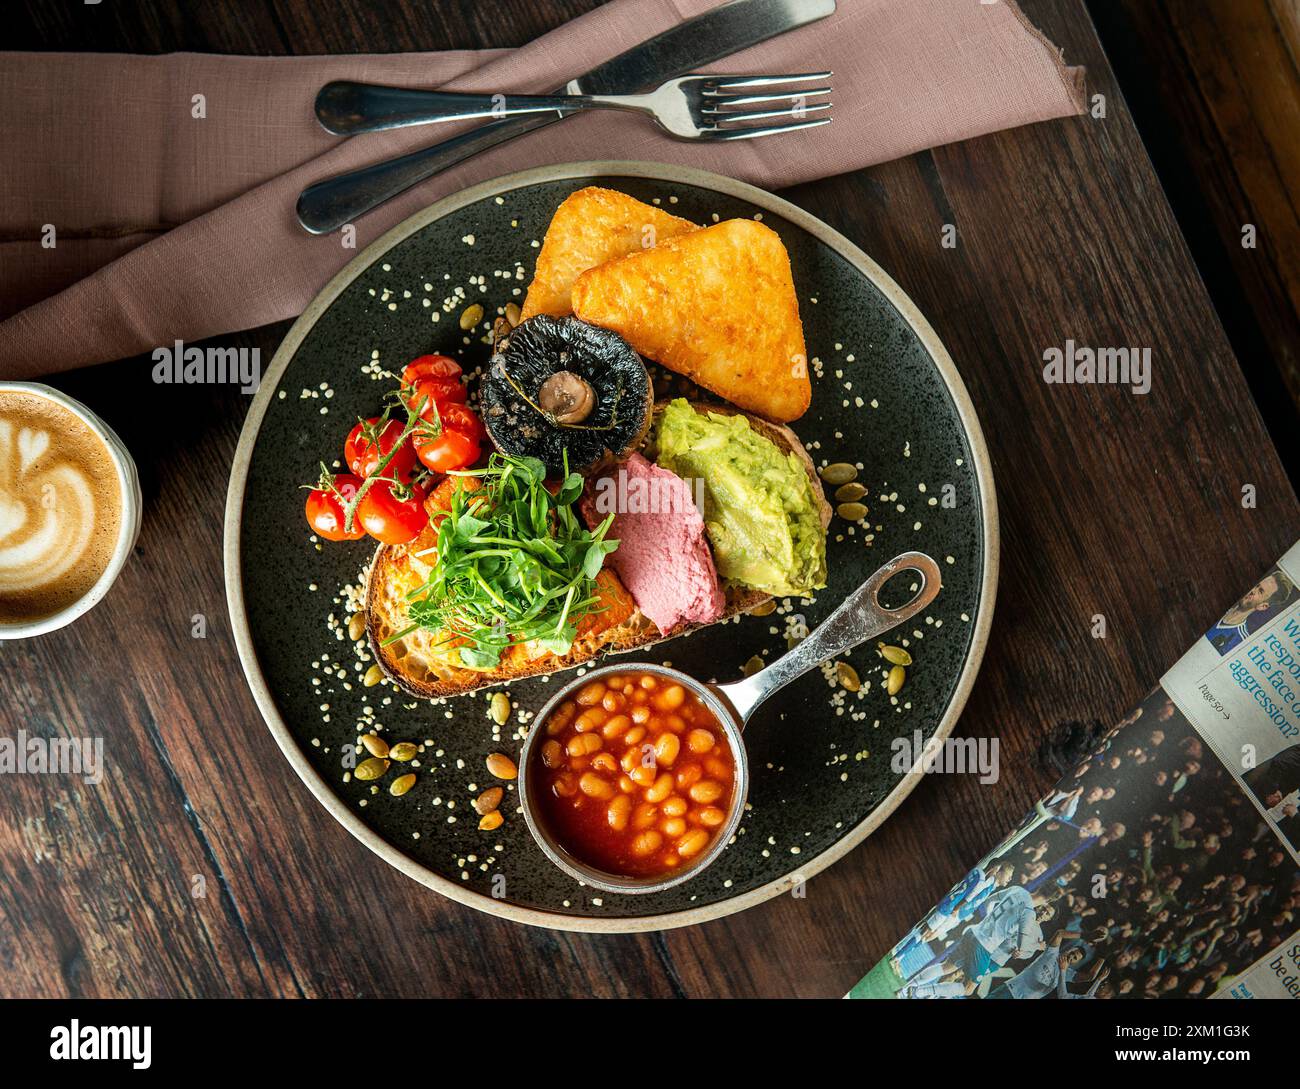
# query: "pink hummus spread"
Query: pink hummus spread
{"points": [[662, 557]]}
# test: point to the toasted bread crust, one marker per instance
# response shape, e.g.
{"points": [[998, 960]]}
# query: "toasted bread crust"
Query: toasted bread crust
{"points": [[398, 569]]}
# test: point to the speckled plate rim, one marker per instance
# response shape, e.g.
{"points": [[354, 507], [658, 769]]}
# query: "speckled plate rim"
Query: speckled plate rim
{"points": [[670, 175]]}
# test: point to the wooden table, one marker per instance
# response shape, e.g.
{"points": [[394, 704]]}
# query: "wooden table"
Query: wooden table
{"points": [[202, 867]]}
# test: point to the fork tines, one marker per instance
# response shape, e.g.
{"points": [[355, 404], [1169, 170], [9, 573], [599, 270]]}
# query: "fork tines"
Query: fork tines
{"points": [[726, 97]]}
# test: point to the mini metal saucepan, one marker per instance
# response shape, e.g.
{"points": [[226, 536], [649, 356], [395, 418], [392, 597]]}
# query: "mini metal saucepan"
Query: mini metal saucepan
{"points": [[859, 618]]}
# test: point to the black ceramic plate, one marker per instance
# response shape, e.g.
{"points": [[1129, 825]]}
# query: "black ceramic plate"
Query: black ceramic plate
{"points": [[885, 394]]}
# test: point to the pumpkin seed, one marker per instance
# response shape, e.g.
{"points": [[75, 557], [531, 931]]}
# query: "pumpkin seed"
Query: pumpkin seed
{"points": [[373, 676], [895, 680], [895, 655], [851, 512], [753, 666], [848, 676], [764, 608], [513, 313], [502, 766], [491, 820], [404, 751], [371, 769], [847, 493], [402, 784], [486, 802], [357, 626], [375, 745], [839, 473], [471, 316], [499, 709]]}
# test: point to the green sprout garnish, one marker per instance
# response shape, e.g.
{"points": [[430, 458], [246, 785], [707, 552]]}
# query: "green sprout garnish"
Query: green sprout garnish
{"points": [[515, 564]]}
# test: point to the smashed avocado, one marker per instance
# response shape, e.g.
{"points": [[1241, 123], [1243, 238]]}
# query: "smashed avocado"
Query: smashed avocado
{"points": [[759, 509]]}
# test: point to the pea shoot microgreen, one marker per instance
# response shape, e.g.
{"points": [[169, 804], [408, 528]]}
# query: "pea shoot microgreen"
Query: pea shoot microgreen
{"points": [[515, 563]]}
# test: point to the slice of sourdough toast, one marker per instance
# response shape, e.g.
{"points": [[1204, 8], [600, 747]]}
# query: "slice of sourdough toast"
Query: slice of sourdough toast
{"points": [[420, 663]]}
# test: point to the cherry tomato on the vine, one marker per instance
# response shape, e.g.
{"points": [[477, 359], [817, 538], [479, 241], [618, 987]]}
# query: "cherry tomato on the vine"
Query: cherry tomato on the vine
{"points": [[450, 451], [432, 380], [429, 392], [459, 418], [430, 366], [454, 442], [393, 515], [370, 442], [325, 512]]}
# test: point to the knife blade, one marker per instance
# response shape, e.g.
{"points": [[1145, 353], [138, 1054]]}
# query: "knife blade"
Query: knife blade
{"points": [[334, 202], [707, 37]]}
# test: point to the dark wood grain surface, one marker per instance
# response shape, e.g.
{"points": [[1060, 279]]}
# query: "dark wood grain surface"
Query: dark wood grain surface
{"points": [[1215, 91], [202, 867]]}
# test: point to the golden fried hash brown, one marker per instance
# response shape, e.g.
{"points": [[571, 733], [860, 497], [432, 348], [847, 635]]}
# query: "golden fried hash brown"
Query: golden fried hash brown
{"points": [[590, 227], [717, 305]]}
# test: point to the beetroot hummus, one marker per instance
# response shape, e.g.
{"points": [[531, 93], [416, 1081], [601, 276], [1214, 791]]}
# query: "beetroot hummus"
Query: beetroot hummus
{"points": [[662, 555]]}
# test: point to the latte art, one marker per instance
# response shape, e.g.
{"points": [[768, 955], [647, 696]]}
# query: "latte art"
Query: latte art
{"points": [[60, 507]]}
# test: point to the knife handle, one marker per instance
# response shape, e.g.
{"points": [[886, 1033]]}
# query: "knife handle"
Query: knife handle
{"points": [[334, 202], [346, 108]]}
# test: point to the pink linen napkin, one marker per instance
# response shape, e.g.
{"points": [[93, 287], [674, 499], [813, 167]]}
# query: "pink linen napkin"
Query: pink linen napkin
{"points": [[167, 225]]}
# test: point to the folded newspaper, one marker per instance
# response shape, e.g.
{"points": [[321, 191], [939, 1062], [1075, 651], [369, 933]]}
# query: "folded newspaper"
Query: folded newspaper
{"points": [[1165, 864]]}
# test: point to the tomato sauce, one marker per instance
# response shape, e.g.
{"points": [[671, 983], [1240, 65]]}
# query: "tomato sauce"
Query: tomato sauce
{"points": [[635, 776]]}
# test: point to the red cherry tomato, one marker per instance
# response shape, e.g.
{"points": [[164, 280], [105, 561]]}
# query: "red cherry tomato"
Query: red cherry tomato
{"points": [[325, 512], [370, 442], [448, 452], [460, 418], [432, 380], [435, 391], [392, 519], [457, 444], [430, 366]]}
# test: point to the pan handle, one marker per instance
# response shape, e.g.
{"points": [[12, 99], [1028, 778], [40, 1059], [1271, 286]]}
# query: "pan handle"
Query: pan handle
{"points": [[859, 617]]}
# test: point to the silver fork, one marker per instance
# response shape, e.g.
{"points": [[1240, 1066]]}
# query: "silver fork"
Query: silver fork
{"points": [[690, 108]]}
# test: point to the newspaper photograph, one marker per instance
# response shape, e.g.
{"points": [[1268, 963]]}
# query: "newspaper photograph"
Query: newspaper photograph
{"points": [[1165, 864]]}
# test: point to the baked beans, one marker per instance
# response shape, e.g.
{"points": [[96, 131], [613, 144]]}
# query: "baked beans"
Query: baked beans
{"points": [[636, 776]]}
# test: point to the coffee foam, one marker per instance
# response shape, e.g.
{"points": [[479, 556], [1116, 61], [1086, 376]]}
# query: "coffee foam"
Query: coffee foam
{"points": [[60, 507]]}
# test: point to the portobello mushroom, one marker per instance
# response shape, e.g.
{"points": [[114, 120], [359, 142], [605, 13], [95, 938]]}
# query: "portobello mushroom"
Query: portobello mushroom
{"points": [[560, 384]]}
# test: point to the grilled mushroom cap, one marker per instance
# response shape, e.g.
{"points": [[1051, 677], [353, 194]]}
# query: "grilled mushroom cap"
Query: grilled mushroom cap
{"points": [[560, 384]]}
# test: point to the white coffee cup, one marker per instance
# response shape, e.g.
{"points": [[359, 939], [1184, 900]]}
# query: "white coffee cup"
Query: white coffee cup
{"points": [[129, 526]]}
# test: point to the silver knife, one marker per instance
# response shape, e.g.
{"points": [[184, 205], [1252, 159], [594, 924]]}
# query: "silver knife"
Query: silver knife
{"points": [[330, 204]]}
